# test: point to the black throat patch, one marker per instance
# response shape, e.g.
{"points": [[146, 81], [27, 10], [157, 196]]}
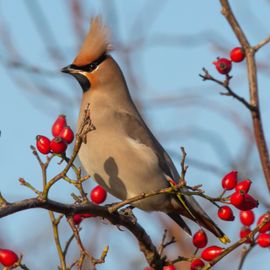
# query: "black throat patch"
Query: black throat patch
{"points": [[83, 81]]}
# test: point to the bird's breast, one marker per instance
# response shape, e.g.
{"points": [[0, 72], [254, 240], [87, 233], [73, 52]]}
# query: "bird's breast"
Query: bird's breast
{"points": [[122, 165]]}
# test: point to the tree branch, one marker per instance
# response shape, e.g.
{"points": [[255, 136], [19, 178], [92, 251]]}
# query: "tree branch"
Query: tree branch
{"points": [[144, 241], [253, 88]]}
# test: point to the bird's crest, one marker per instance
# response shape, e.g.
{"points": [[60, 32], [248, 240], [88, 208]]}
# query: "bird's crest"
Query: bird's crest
{"points": [[95, 44]]}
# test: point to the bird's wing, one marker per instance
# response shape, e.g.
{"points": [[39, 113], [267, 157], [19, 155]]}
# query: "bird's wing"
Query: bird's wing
{"points": [[136, 129]]}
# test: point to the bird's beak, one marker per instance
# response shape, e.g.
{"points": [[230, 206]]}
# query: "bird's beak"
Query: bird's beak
{"points": [[67, 69]]}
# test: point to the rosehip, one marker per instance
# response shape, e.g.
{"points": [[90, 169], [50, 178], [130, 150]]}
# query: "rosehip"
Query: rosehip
{"points": [[67, 134], [196, 264], [200, 239], [210, 253], [229, 181], [223, 65], [265, 227], [237, 198], [243, 185], [43, 144], [263, 240], [58, 145], [169, 267], [249, 203], [58, 125], [98, 194], [77, 219], [237, 54], [225, 213], [244, 232], [247, 217], [8, 257]]}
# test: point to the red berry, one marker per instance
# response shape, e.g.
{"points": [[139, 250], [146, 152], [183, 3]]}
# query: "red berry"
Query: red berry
{"points": [[67, 134], [169, 267], [200, 239], [8, 257], [223, 65], [265, 227], [77, 219], [58, 145], [98, 194], [147, 268], [229, 181], [210, 253], [247, 217], [243, 185], [243, 201], [263, 240], [249, 203], [196, 264], [244, 232], [237, 54], [43, 144], [237, 199], [58, 125], [225, 213]]}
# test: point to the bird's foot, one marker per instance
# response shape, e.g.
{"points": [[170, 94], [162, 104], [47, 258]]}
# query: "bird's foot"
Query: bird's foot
{"points": [[127, 212]]}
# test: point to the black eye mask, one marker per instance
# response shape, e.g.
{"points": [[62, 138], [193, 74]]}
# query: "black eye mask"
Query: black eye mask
{"points": [[92, 66]]}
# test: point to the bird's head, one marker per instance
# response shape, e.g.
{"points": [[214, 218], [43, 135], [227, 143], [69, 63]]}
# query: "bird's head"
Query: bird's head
{"points": [[92, 55]]}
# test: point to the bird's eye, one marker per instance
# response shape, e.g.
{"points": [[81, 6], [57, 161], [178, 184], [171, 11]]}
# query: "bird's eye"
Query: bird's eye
{"points": [[92, 66]]}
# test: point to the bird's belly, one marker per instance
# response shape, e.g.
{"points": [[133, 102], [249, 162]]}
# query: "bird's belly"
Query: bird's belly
{"points": [[124, 167]]}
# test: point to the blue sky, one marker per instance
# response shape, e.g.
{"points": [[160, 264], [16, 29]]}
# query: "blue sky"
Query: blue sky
{"points": [[174, 41]]}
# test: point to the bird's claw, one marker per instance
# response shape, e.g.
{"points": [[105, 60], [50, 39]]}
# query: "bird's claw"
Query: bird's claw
{"points": [[127, 212]]}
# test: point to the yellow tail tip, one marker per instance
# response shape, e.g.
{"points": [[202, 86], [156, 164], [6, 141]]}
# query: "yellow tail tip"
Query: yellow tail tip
{"points": [[224, 239]]}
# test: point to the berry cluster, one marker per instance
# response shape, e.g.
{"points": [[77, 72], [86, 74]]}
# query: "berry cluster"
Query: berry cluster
{"points": [[247, 218], [241, 200], [224, 65], [98, 195], [8, 257], [63, 135]]}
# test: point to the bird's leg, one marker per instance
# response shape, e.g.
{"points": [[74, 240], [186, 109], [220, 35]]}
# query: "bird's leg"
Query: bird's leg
{"points": [[127, 212]]}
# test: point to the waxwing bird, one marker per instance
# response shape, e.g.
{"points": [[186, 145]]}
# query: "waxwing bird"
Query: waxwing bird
{"points": [[121, 153]]}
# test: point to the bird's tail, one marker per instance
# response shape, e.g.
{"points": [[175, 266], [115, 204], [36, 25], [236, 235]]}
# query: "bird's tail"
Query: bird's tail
{"points": [[195, 212], [192, 210]]}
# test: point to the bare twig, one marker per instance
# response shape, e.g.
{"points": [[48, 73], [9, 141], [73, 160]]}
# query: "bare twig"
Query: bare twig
{"points": [[164, 244], [83, 251], [57, 241], [184, 167], [245, 252], [262, 43], [207, 77]]}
